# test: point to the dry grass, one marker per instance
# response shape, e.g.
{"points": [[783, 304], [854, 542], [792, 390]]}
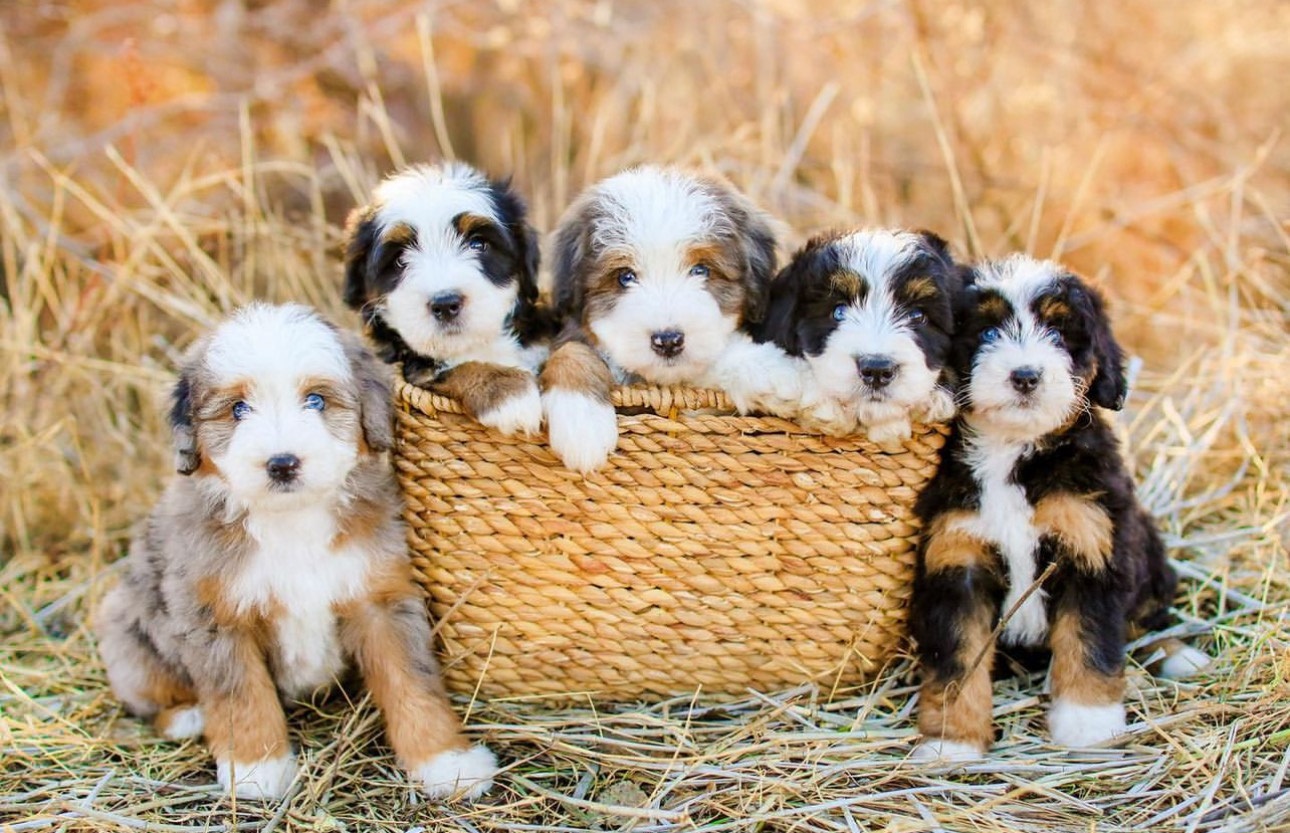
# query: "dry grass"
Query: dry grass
{"points": [[165, 162]]}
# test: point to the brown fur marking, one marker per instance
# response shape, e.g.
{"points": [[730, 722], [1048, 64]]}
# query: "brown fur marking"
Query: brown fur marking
{"points": [[481, 387], [960, 709], [244, 718], [575, 366], [1083, 527], [949, 547], [1073, 677]]}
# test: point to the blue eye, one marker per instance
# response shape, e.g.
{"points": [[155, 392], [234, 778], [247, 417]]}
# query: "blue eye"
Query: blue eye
{"points": [[241, 410], [315, 402], [477, 243], [626, 277], [990, 335], [916, 317], [699, 270], [839, 312]]}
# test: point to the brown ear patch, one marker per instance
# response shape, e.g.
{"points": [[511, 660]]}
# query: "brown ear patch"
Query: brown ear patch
{"points": [[1081, 525]]}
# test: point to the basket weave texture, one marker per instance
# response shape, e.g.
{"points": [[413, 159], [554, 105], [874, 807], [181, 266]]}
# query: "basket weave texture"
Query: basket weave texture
{"points": [[715, 551]]}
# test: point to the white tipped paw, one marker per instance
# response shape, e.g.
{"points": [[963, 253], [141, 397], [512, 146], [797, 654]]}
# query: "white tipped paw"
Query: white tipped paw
{"points": [[887, 433], [185, 722], [268, 779], [460, 773], [1078, 726], [826, 414], [760, 377], [1183, 662], [583, 430], [940, 407], [520, 414], [945, 751]]}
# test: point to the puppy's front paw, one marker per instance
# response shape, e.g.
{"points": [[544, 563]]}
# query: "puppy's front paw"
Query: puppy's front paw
{"points": [[889, 433], [935, 750], [518, 414], [182, 722], [759, 377], [458, 773], [940, 407], [1077, 725], [265, 780], [583, 430]]}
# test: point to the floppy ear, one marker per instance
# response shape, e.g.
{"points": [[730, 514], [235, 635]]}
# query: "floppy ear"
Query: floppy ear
{"points": [[572, 247], [756, 241], [375, 399], [528, 240], [515, 215], [360, 239], [937, 245], [1110, 386], [187, 455], [778, 324]]}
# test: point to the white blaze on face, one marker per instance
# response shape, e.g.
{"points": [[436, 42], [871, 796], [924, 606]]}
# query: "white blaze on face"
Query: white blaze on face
{"points": [[653, 218], [275, 352], [1022, 342], [875, 326], [441, 263]]}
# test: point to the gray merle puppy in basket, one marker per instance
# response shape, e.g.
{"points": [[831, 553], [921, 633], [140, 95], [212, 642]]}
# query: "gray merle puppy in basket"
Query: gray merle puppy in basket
{"points": [[658, 274], [442, 266], [277, 559]]}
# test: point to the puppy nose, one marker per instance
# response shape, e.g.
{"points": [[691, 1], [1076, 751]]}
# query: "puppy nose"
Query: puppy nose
{"points": [[1025, 379], [283, 468], [877, 371], [667, 343], [446, 305]]}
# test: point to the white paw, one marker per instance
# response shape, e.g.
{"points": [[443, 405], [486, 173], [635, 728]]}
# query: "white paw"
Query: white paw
{"points": [[258, 780], [461, 773], [520, 414], [940, 407], [1184, 662], [188, 722], [760, 377], [827, 415], [890, 432], [940, 749], [1078, 726], [583, 430]]}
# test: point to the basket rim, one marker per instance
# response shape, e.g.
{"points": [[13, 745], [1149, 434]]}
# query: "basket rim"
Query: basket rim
{"points": [[660, 399]]}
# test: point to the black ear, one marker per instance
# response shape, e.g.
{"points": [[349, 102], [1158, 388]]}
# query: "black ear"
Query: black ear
{"points": [[779, 324], [1110, 386], [514, 214], [572, 248], [936, 244], [187, 455], [375, 401], [756, 241], [361, 235]]}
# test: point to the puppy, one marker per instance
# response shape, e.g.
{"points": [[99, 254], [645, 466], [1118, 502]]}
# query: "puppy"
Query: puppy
{"points": [[443, 265], [657, 273], [1031, 485], [277, 558], [871, 312]]}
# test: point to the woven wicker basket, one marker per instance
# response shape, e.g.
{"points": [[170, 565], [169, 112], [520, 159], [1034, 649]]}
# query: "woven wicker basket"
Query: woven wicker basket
{"points": [[714, 551]]}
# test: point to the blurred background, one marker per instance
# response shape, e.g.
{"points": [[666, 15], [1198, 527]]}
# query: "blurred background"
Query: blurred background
{"points": [[164, 161]]}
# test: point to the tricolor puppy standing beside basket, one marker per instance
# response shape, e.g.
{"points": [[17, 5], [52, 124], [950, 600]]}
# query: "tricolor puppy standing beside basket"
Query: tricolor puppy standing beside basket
{"points": [[717, 547]]}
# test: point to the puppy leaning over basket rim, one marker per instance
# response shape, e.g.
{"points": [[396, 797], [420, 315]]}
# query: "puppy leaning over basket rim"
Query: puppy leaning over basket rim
{"points": [[714, 551]]}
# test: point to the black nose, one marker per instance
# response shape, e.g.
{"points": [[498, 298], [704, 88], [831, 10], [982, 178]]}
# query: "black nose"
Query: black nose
{"points": [[1025, 379], [446, 305], [667, 343], [877, 371], [283, 468]]}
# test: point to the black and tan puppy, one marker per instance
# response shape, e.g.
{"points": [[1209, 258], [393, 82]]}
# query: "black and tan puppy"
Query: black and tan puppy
{"points": [[658, 274], [1031, 480], [442, 265], [277, 559], [871, 312]]}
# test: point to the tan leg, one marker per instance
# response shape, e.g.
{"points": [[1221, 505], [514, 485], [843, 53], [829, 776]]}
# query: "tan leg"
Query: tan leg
{"points": [[1087, 705], [505, 398]]}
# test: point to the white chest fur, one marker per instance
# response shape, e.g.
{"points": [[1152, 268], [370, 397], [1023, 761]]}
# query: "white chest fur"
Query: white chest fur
{"points": [[1006, 519], [296, 576]]}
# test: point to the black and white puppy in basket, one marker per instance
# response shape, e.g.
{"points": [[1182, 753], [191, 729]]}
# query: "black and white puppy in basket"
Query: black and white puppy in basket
{"points": [[1032, 534], [277, 559], [658, 272], [442, 265], [871, 312]]}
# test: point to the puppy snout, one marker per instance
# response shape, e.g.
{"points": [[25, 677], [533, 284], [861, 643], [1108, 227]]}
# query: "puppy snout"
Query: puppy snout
{"points": [[876, 371], [446, 306], [667, 343], [283, 468], [1025, 379]]}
